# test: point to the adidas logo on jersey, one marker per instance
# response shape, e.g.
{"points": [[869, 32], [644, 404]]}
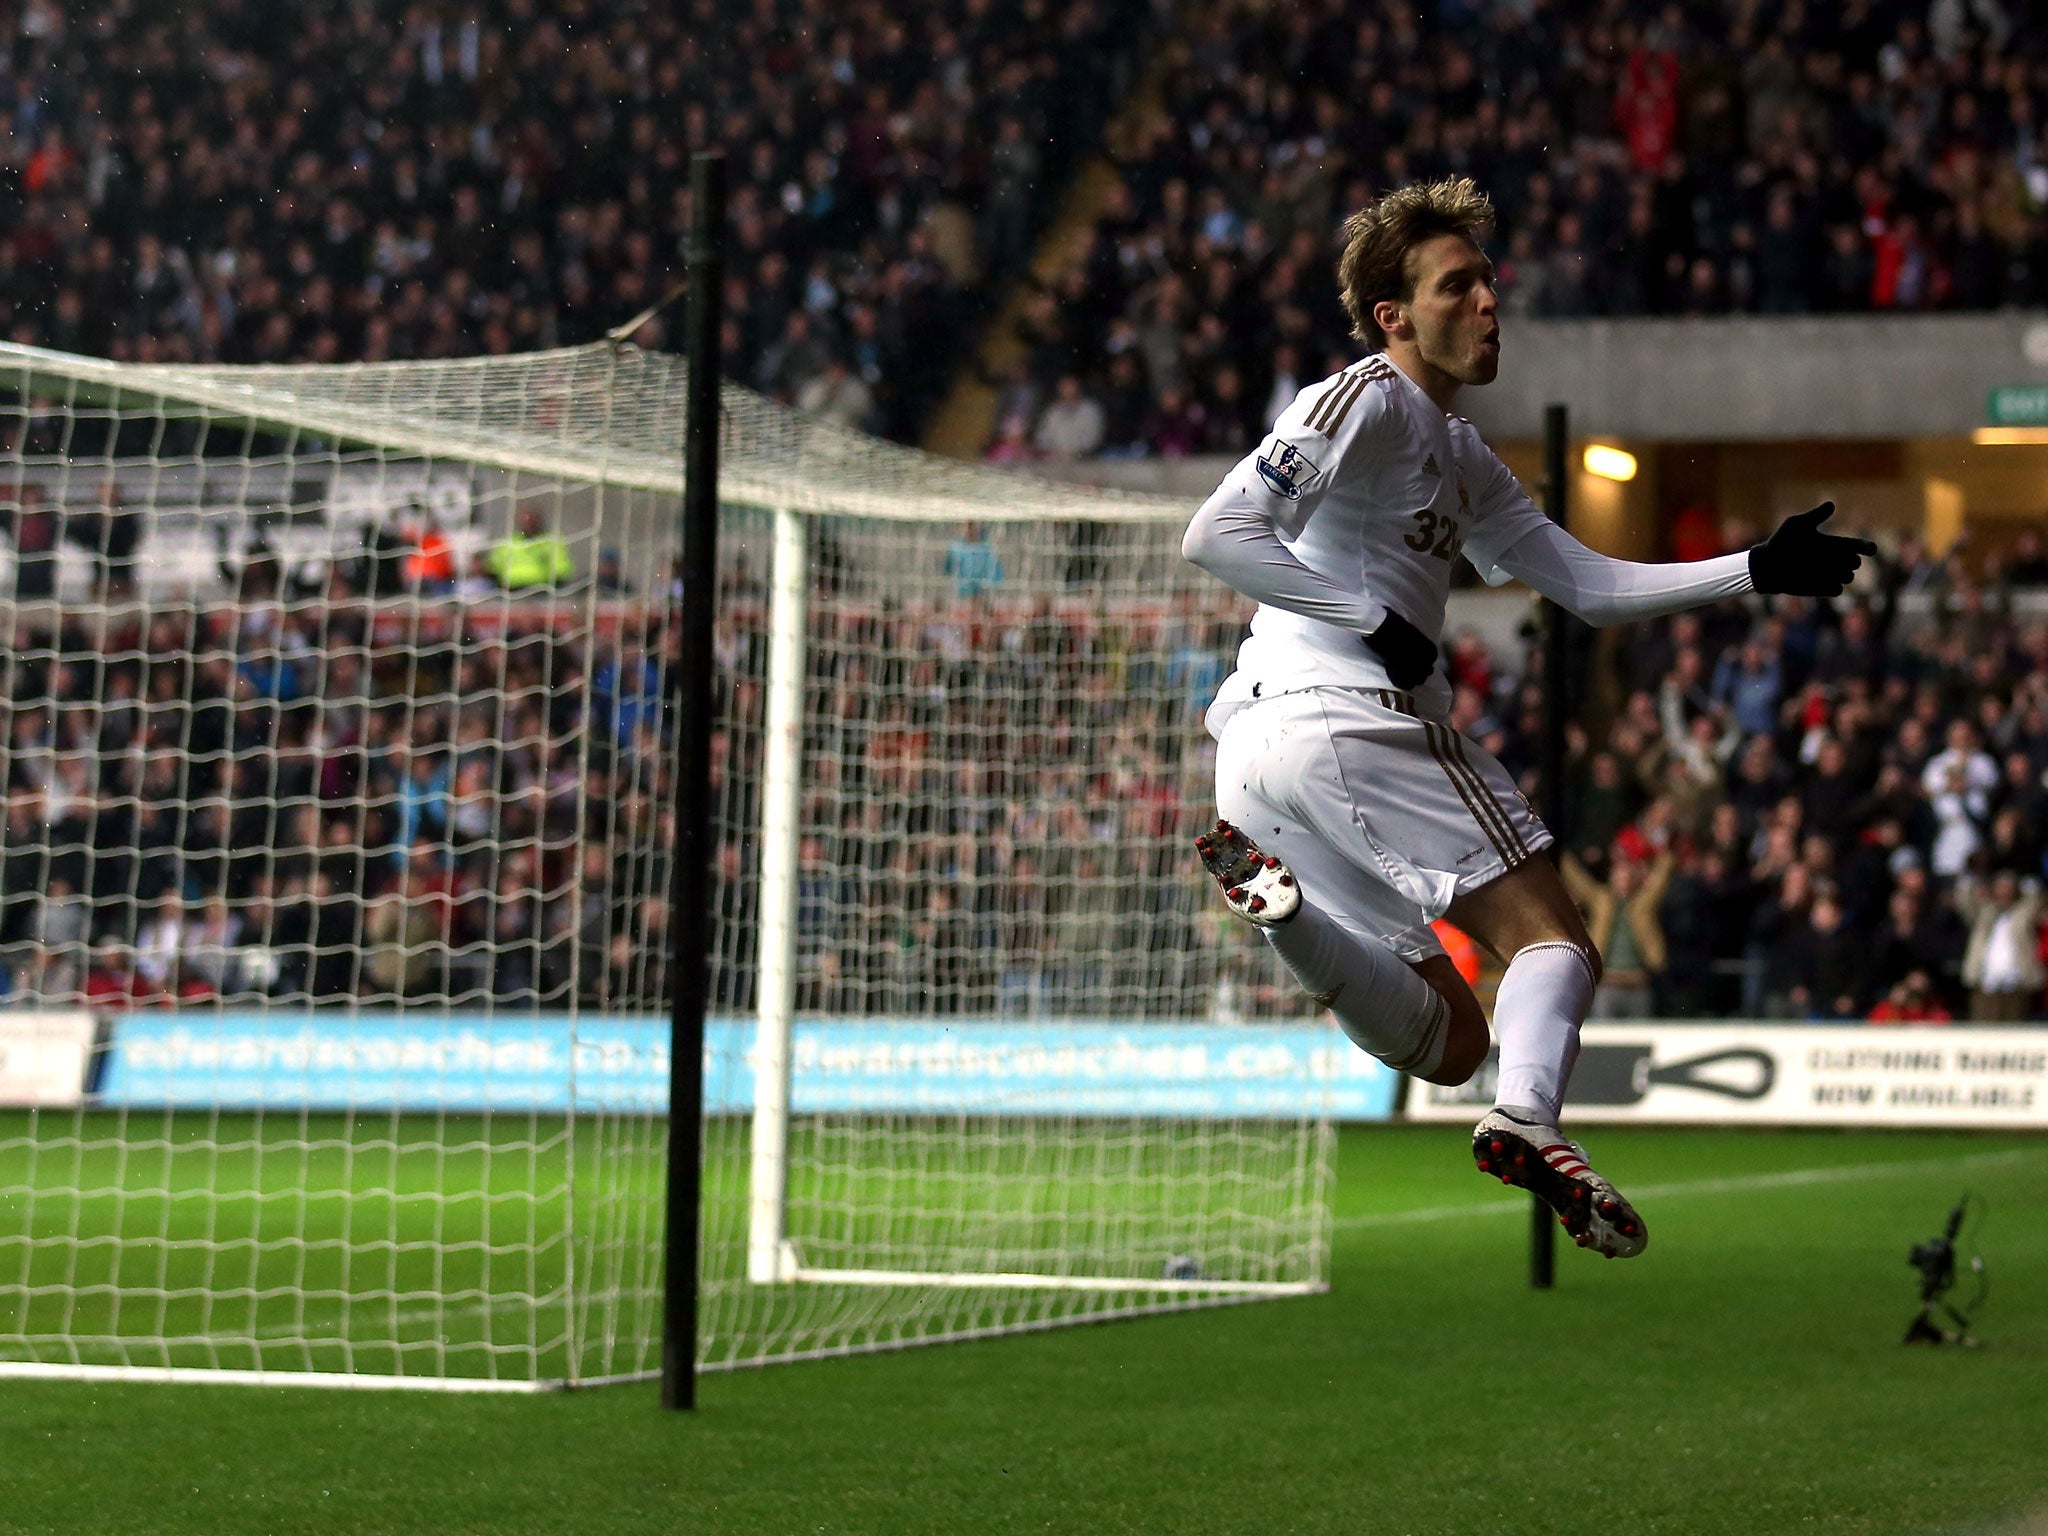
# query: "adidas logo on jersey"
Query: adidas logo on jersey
{"points": [[1429, 467]]}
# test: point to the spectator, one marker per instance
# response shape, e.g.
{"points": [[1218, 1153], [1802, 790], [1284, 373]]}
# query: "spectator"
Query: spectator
{"points": [[1603, 804], [1830, 966], [972, 563], [1072, 425], [111, 982], [380, 571], [396, 940], [1911, 1000], [1126, 407], [313, 776], [1013, 441], [405, 231], [531, 558], [1959, 812], [1912, 938], [1773, 946], [159, 946], [2002, 964], [1702, 915], [34, 528], [1176, 427], [111, 533], [430, 568], [1750, 683], [63, 925], [1014, 170], [208, 948], [1621, 917], [837, 395]]}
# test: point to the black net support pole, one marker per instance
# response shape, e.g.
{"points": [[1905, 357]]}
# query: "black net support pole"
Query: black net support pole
{"points": [[1551, 771], [689, 912]]}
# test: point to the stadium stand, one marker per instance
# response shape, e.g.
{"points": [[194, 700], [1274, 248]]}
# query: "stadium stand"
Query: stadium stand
{"points": [[1805, 785], [1781, 795], [1845, 810], [507, 181], [199, 806], [1645, 158], [228, 183]]}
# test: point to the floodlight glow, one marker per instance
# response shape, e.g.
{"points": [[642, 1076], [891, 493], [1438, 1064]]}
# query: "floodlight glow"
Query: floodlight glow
{"points": [[1609, 463], [1997, 436]]}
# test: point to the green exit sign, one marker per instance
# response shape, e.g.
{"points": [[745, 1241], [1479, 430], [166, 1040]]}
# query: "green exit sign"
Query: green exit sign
{"points": [[2018, 405]]}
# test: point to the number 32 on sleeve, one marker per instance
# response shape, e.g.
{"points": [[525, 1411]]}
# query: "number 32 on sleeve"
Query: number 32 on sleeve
{"points": [[1434, 534]]}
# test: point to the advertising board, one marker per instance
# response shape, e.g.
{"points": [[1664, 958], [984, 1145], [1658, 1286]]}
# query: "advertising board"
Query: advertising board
{"points": [[44, 1058], [1790, 1074], [547, 1062]]}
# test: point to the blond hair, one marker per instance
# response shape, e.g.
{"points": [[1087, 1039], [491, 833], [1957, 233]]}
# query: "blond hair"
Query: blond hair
{"points": [[1378, 239]]}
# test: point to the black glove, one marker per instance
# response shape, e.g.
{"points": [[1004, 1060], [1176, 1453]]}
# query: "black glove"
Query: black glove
{"points": [[1407, 653], [1801, 561]]}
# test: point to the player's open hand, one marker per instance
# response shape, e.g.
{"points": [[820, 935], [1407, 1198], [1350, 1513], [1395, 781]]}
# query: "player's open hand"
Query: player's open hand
{"points": [[1405, 651], [1801, 561]]}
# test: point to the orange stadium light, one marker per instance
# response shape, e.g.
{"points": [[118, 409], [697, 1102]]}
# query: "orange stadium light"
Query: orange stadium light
{"points": [[1609, 463], [1991, 437]]}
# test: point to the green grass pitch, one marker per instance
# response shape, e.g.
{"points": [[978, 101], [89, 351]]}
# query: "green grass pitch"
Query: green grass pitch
{"points": [[1744, 1376]]}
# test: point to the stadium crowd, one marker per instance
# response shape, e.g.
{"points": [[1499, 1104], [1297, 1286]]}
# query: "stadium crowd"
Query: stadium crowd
{"points": [[1645, 157], [230, 181], [1812, 813], [343, 796], [334, 799], [396, 181], [284, 794], [214, 184]]}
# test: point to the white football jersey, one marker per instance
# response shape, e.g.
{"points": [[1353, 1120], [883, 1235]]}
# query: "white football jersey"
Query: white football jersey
{"points": [[1371, 486]]}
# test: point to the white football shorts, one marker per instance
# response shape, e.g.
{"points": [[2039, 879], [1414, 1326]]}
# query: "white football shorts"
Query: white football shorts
{"points": [[1384, 815]]}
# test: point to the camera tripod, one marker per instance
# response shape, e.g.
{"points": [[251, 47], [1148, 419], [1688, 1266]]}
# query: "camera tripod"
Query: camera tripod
{"points": [[1936, 1261]]}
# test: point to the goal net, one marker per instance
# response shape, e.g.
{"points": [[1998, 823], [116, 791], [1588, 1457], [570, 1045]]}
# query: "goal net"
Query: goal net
{"points": [[335, 884]]}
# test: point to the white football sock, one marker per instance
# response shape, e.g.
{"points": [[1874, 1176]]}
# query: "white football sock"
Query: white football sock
{"points": [[1380, 1000], [1543, 999]]}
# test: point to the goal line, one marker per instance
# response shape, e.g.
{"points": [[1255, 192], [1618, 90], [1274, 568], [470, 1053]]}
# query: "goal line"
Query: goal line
{"points": [[335, 1381], [1021, 1282]]}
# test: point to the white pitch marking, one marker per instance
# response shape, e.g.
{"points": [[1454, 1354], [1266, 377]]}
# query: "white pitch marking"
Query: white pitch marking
{"points": [[1844, 1173]]}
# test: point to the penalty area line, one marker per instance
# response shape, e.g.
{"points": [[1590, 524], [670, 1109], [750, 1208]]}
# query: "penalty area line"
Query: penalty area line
{"points": [[1792, 1178]]}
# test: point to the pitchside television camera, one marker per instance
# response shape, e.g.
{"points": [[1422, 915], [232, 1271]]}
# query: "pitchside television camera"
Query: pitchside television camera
{"points": [[1936, 1261]]}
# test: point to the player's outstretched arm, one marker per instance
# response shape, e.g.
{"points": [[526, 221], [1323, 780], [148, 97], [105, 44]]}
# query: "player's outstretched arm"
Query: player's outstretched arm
{"points": [[1798, 558], [1602, 590]]}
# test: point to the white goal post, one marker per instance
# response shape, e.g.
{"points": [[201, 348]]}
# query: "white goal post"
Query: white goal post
{"points": [[336, 867]]}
